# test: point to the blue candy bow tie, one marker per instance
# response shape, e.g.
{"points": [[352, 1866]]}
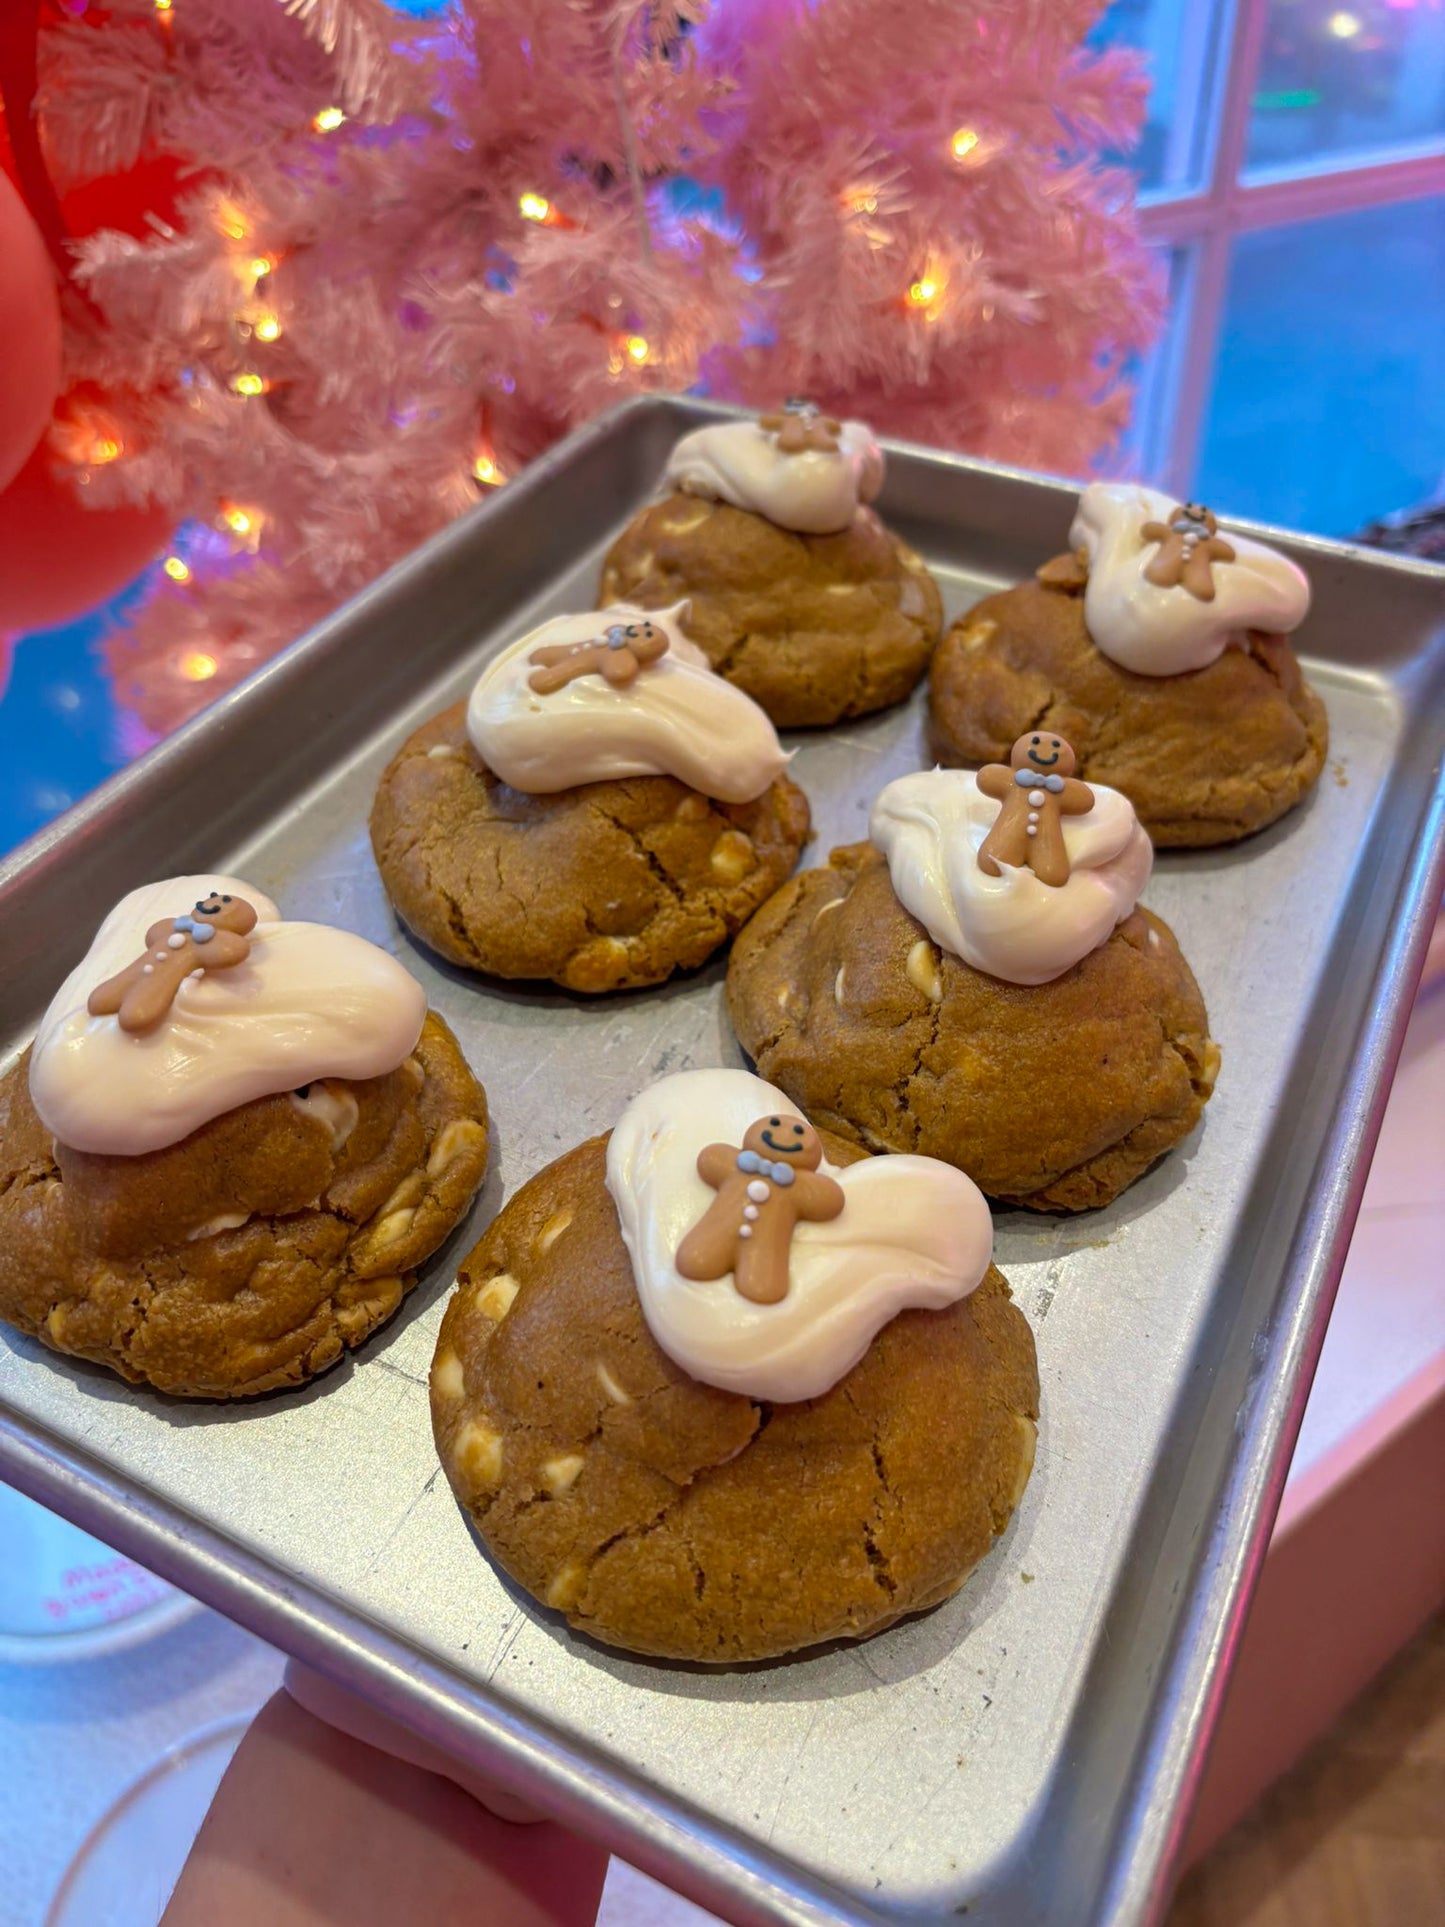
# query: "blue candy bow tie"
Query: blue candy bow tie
{"points": [[1030, 779], [779, 1173]]}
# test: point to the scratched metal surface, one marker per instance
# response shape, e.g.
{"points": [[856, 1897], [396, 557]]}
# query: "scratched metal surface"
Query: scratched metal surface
{"points": [[1022, 1752]]}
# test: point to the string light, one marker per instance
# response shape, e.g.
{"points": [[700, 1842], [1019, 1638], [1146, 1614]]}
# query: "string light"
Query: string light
{"points": [[534, 207], [924, 292], [267, 327], [486, 470], [240, 521], [261, 266], [638, 349], [861, 200], [249, 383], [231, 221], [197, 666], [176, 569], [965, 139], [328, 120], [164, 6], [1344, 26]]}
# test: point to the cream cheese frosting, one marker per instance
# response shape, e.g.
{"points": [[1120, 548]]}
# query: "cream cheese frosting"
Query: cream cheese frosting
{"points": [[816, 492], [675, 718], [912, 1231], [1164, 632], [309, 1002], [930, 828]]}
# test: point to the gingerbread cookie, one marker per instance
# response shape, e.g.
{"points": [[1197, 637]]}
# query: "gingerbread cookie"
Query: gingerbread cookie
{"points": [[794, 588], [220, 1202], [905, 997], [764, 1187], [630, 1444], [1035, 792], [1159, 656], [602, 834]]}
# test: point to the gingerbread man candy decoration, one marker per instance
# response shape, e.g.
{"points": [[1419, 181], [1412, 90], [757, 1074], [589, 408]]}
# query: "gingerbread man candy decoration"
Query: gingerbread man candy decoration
{"points": [[798, 427], [618, 655], [1189, 546], [1037, 791], [213, 936], [763, 1189]]}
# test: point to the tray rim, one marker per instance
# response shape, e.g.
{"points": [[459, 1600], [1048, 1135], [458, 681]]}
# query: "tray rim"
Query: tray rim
{"points": [[663, 1834]]}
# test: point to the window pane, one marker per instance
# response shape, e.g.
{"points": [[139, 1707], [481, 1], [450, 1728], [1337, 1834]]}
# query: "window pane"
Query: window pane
{"points": [[1181, 44], [1346, 77], [1327, 408]]}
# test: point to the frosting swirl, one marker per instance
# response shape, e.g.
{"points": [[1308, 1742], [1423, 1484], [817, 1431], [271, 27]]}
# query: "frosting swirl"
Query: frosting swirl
{"points": [[930, 828], [675, 719], [815, 492], [912, 1231], [309, 1002], [1165, 631]]}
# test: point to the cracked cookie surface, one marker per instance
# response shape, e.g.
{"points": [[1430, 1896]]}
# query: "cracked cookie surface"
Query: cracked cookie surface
{"points": [[604, 887], [814, 627], [131, 1261], [1055, 1096], [671, 1518], [1206, 757]]}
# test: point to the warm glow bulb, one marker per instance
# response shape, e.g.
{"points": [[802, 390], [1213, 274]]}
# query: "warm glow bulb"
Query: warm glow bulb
{"points": [[103, 449], [328, 119], [164, 6], [248, 384], [262, 265], [534, 207], [1344, 26], [964, 141], [923, 292], [486, 470], [197, 666], [238, 520], [637, 348], [267, 328], [176, 569]]}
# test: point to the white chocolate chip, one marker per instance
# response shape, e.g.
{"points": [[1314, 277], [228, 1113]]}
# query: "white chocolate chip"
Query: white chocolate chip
{"points": [[842, 588], [552, 1230], [1028, 1443], [609, 1385], [732, 855], [692, 809], [1154, 939], [477, 1454], [566, 1585], [559, 1475], [838, 986], [494, 1299], [453, 1140], [976, 633], [923, 970], [685, 525], [448, 1380], [835, 903], [910, 598], [440, 750]]}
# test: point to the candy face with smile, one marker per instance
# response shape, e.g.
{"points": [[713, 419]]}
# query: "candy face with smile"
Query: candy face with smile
{"points": [[786, 1137]]}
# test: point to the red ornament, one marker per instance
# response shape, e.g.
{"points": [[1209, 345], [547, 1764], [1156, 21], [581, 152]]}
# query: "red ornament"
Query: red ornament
{"points": [[29, 332], [60, 559]]}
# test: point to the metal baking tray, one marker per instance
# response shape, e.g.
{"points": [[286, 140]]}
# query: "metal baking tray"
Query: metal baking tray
{"points": [[1027, 1752]]}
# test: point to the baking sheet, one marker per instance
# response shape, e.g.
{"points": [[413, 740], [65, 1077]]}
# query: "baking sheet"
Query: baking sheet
{"points": [[1024, 1753]]}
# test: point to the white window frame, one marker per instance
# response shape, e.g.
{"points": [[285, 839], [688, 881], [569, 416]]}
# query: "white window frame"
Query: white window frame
{"points": [[1201, 226]]}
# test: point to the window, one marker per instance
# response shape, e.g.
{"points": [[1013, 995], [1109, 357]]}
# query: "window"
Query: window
{"points": [[1292, 171]]}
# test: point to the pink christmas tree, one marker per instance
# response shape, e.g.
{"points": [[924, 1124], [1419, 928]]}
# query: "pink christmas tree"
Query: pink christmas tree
{"points": [[417, 252]]}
